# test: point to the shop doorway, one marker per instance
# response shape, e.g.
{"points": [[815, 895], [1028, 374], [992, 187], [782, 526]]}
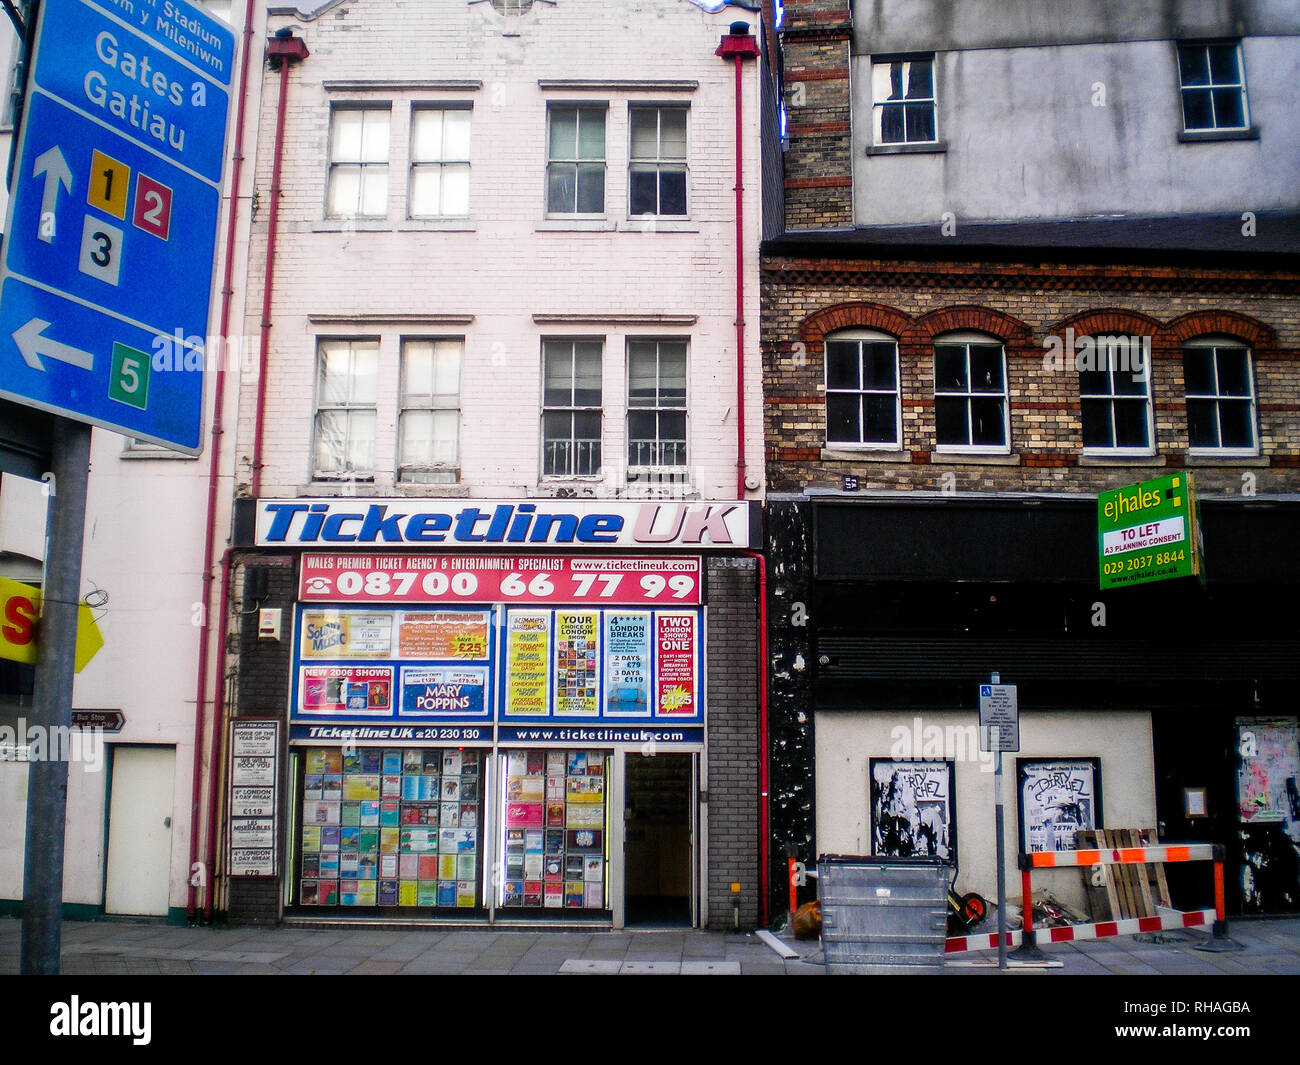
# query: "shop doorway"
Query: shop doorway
{"points": [[659, 867], [138, 878]]}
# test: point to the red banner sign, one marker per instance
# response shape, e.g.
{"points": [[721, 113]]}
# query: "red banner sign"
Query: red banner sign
{"points": [[498, 579]]}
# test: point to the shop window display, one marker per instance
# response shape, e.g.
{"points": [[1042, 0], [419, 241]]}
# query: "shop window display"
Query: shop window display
{"points": [[391, 827], [554, 852]]}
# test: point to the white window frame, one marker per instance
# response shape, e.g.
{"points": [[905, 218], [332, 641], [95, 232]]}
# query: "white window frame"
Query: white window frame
{"points": [[673, 470], [859, 336], [1215, 343], [442, 163], [573, 408], [1109, 360], [432, 471], [967, 339], [660, 163], [883, 64], [602, 107], [347, 407], [336, 165], [1211, 86]]}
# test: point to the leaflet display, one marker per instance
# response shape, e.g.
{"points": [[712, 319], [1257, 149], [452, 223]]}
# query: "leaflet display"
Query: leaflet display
{"points": [[553, 847], [391, 827]]}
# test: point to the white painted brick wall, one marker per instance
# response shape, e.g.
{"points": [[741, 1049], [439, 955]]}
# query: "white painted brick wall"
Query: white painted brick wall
{"points": [[506, 270]]}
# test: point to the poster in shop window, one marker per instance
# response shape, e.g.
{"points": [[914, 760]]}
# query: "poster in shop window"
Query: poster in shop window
{"points": [[675, 694], [1058, 799], [528, 643], [350, 690], [627, 664], [444, 634], [576, 666], [912, 813], [339, 634], [457, 691]]}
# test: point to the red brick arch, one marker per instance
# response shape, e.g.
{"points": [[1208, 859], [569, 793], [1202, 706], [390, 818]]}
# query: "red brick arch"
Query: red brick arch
{"points": [[1253, 333], [857, 315], [965, 318], [1109, 321]]}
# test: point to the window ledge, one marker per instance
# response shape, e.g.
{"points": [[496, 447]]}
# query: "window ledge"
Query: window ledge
{"points": [[928, 148], [573, 487], [1198, 135], [1098, 458], [438, 225], [575, 225], [1195, 458], [352, 225], [973, 458], [137, 453], [653, 224], [340, 489], [839, 454], [432, 491]]}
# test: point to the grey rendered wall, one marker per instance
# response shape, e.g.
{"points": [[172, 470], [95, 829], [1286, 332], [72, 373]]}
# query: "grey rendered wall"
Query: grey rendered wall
{"points": [[1047, 126]]}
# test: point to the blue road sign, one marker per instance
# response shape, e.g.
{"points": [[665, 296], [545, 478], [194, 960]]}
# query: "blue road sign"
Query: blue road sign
{"points": [[110, 241]]}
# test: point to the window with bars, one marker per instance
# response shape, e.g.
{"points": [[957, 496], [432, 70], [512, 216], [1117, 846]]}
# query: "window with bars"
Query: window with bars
{"points": [[903, 101], [571, 407], [358, 176], [862, 394], [575, 168], [439, 162], [657, 168], [656, 403], [347, 395], [1220, 392], [1115, 398], [970, 395], [429, 418], [1213, 87]]}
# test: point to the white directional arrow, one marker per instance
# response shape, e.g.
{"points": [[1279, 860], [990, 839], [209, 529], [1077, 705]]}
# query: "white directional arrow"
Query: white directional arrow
{"points": [[55, 168], [33, 345]]}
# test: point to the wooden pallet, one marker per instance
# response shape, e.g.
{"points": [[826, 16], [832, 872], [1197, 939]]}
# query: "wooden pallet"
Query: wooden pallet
{"points": [[1123, 891]]}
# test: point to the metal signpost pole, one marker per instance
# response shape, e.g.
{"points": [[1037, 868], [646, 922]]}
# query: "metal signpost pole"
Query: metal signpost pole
{"points": [[1001, 843], [47, 780]]}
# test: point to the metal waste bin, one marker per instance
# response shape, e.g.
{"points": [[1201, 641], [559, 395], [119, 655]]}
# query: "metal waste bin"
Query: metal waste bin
{"points": [[882, 915]]}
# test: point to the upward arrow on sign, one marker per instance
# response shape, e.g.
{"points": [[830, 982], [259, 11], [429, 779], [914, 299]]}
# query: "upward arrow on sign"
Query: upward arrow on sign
{"points": [[55, 168]]}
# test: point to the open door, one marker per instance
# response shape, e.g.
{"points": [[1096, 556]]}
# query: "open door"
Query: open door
{"points": [[659, 816]]}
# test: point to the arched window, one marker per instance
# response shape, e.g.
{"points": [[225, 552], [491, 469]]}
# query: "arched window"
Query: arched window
{"points": [[1219, 384], [862, 402], [970, 394]]}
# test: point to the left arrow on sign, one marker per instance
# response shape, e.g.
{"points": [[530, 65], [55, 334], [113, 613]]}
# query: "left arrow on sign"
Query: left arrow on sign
{"points": [[55, 168], [33, 345]]}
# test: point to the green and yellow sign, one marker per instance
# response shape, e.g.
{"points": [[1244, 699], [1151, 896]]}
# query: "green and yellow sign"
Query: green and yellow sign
{"points": [[1150, 532]]}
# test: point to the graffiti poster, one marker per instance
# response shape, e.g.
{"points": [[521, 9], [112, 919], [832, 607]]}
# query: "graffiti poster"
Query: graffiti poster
{"points": [[1268, 810], [912, 811], [1058, 799]]}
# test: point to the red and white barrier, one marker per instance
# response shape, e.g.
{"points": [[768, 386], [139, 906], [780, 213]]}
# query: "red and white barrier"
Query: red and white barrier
{"points": [[1076, 932]]}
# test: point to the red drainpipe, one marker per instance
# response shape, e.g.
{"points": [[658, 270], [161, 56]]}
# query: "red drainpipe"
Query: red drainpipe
{"points": [[281, 51], [739, 45], [214, 457]]}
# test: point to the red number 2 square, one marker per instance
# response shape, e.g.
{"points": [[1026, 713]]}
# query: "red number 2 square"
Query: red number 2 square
{"points": [[153, 206]]}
